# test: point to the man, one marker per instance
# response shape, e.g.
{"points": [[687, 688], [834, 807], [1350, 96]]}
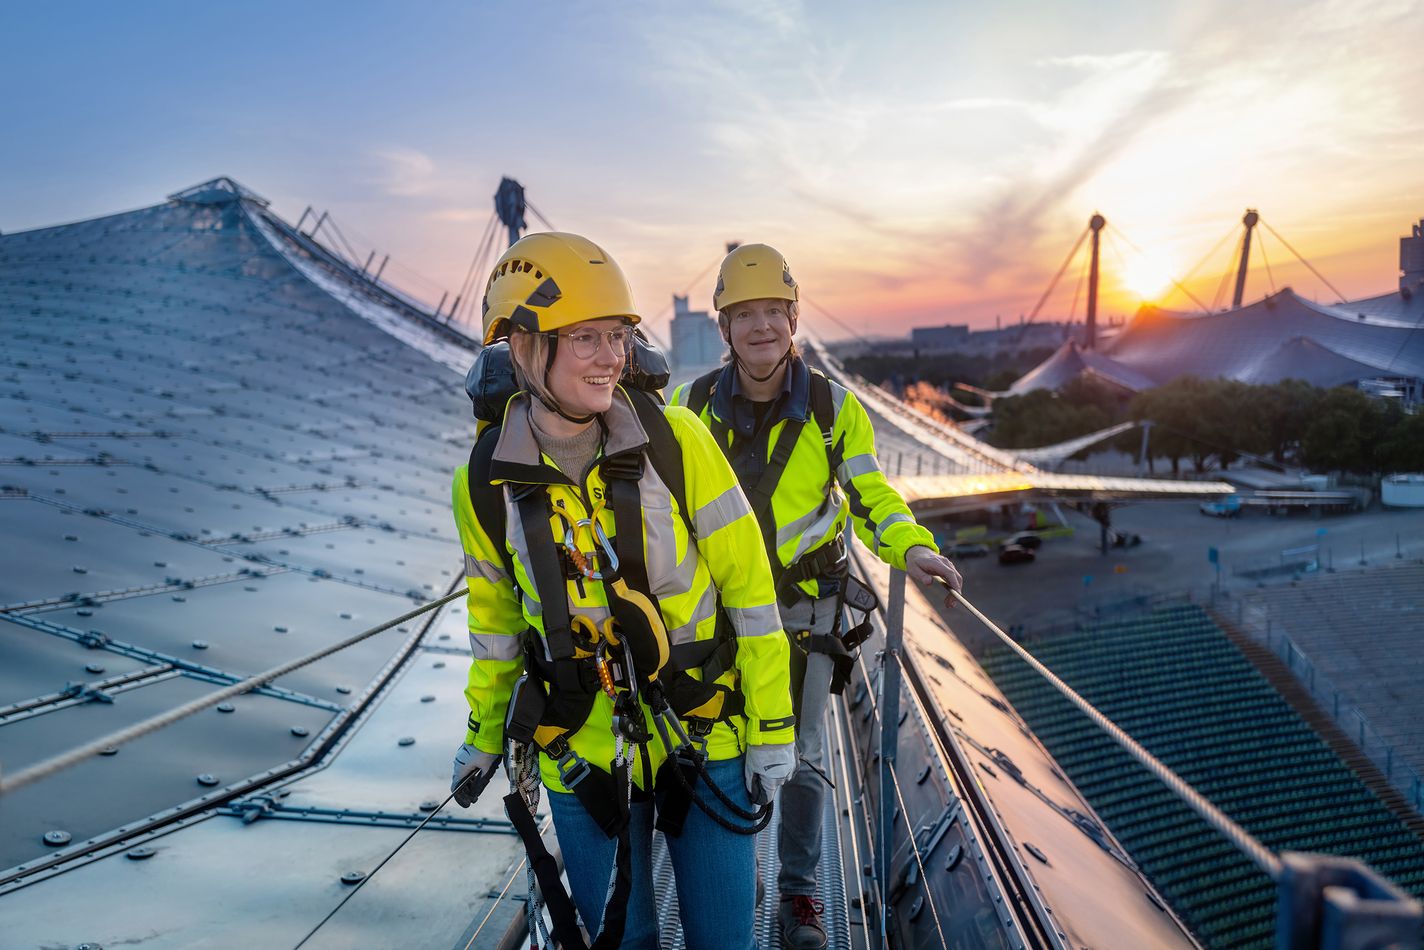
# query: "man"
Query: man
{"points": [[803, 450]]}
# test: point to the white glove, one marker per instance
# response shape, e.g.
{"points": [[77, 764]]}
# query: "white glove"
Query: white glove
{"points": [[473, 770], [767, 768]]}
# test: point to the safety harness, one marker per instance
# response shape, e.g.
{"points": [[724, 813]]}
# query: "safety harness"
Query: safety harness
{"points": [[627, 658], [827, 561]]}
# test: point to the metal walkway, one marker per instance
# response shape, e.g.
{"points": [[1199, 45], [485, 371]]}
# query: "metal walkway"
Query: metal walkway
{"points": [[830, 874]]}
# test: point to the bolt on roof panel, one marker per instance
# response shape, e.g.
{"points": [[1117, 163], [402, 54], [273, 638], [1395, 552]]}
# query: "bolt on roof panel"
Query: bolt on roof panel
{"points": [[67, 552], [148, 775], [38, 664], [245, 626]]}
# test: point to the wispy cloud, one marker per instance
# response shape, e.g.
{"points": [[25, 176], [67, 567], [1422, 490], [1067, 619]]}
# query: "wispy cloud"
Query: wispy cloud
{"points": [[404, 172], [922, 185]]}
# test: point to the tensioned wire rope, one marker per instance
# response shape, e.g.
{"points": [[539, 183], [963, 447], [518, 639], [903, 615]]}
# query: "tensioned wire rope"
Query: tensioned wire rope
{"points": [[464, 296], [1265, 859], [1240, 838], [76, 755], [910, 836], [1116, 232]]}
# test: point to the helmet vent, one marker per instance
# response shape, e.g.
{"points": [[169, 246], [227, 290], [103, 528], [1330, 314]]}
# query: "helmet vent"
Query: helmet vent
{"points": [[545, 294]]}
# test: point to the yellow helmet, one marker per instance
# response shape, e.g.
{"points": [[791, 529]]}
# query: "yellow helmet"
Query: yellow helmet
{"points": [[552, 280], [753, 272]]}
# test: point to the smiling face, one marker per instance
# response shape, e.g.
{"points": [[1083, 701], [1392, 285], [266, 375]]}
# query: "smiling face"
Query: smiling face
{"points": [[583, 385], [760, 331]]}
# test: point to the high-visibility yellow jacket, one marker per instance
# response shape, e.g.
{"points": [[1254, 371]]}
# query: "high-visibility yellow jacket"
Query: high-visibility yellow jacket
{"points": [[685, 576], [811, 503]]}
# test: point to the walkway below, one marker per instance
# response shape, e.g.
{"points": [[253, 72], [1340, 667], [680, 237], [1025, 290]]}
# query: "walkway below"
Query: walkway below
{"points": [[831, 874]]}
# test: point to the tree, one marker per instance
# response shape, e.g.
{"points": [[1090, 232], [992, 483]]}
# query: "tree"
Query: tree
{"points": [[1042, 418], [1285, 410], [1343, 431], [1402, 448]]}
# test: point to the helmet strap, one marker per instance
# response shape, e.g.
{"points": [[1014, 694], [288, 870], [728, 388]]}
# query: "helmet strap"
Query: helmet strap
{"points": [[742, 366]]}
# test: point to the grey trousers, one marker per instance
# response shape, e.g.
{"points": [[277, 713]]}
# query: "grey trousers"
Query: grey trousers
{"points": [[803, 798]]}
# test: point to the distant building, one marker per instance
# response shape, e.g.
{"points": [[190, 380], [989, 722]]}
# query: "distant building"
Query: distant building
{"points": [[1411, 260], [1016, 337], [948, 337], [696, 341]]}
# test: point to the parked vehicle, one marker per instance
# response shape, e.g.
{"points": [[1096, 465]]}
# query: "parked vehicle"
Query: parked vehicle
{"points": [[965, 549], [1228, 507], [1015, 554], [1024, 539]]}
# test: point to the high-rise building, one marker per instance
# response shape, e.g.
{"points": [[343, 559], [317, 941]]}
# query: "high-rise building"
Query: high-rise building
{"points": [[696, 342]]}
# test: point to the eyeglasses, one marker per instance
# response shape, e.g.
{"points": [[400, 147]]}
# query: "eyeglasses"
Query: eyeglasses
{"points": [[585, 342]]}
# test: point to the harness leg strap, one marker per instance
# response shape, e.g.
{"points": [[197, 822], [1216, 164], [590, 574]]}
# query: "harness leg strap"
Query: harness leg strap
{"points": [[546, 872]]}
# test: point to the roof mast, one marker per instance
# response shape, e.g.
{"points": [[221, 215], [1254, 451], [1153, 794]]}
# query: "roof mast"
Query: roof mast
{"points": [[1250, 221], [1095, 223]]}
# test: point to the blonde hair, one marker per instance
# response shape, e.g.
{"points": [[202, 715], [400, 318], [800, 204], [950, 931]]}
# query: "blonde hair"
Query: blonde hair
{"points": [[531, 359]]}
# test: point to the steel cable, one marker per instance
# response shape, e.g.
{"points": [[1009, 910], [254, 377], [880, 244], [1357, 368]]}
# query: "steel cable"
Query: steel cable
{"points": [[74, 756], [1307, 263], [904, 809], [1179, 284], [362, 883], [1242, 839], [1023, 326]]}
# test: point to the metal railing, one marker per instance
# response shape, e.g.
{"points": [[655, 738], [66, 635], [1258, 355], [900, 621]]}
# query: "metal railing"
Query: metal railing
{"points": [[1323, 900], [1257, 623]]}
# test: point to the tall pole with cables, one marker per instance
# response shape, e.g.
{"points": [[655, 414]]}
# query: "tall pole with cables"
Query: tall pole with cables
{"points": [[509, 205], [1250, 221], [1095, 224]]}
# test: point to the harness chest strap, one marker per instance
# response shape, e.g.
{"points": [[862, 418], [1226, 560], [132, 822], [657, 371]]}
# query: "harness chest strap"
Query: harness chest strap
{"points": [[488, 502], [822, 411]]}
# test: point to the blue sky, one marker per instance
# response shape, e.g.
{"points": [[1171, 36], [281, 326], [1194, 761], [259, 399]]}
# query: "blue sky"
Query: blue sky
{"points": [[919, 163]]}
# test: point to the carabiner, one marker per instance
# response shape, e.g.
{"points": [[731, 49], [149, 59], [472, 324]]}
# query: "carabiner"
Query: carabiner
{"points": [[605, 676], [610, 556]]}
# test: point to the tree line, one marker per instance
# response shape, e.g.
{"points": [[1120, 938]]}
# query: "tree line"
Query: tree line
{"points": [[1216, 421], [992, 370]]}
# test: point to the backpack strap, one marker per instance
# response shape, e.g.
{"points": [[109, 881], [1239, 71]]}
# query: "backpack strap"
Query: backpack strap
{"points": [[699, 396], [488, 500], [700, 393], [823, 412], [663, 451]]}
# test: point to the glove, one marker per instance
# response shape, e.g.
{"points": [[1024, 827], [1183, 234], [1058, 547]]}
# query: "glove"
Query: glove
{"points": [[473, 770], [767, 768]]}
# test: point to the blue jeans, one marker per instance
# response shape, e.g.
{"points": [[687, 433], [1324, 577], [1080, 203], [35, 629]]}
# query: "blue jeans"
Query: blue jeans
{"points": [[715, 869]]}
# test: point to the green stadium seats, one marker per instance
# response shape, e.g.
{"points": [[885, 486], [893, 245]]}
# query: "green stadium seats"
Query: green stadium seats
{"points": [[1176, 683]]}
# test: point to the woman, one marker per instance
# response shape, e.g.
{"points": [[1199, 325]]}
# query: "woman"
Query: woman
{"points": [[558, 595]]}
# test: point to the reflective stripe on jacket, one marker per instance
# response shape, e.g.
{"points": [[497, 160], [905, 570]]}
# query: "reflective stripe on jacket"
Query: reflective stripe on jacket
{"points": [[685, 578], [810, 506]]}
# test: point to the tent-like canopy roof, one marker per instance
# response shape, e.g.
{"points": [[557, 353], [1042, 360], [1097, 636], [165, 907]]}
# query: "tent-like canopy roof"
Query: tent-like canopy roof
{"points": [[1283, 336]]}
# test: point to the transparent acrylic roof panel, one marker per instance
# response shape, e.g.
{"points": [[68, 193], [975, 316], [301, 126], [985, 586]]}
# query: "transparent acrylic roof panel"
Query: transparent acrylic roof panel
{"points": [[68, 552], [367, 556], [250, 625], [148, 775], [38, 664], [1164, 345], [163, 502], [176, 340]]}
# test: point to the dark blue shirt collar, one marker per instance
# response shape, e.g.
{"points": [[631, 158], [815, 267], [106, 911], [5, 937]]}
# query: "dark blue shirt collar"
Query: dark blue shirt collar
{"points": [[730, 404]]}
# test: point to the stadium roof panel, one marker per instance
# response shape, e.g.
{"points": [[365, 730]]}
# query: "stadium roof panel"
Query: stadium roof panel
{"points": [[220, 190]]}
